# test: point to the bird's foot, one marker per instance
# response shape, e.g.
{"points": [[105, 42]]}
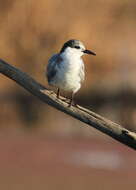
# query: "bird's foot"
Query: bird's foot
{"points": [[51, 92], [72, 103], [60, 97], [66, 100]]}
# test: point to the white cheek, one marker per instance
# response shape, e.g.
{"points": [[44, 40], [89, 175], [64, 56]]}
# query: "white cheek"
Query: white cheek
{"points": [[72, 52], [77, 52]]}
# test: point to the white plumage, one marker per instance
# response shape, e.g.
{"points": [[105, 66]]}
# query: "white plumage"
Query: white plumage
{"points": [[69, 71], [66, 69]]}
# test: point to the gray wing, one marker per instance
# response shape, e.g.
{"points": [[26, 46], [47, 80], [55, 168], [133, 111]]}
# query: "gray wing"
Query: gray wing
{"points": [[51, 67], [82, 72]]}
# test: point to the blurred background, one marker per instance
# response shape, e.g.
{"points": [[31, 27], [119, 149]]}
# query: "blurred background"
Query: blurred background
{"points": [[41, 147]]}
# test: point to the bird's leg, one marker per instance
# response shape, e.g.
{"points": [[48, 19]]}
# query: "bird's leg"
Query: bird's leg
{"points": [[58, 93], [71, 100]]}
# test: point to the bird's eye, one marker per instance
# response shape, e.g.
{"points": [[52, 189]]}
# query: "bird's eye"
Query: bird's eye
{"points": [[77, 47]]}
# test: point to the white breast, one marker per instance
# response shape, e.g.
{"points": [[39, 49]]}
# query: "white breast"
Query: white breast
{"points": [[70, 73]]}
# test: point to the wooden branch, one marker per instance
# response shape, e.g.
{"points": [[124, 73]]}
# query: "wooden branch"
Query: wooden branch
{"points": [[102, 124]]}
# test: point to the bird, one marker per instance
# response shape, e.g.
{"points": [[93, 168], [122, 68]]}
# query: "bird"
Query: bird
{"points": [[66, 70]]}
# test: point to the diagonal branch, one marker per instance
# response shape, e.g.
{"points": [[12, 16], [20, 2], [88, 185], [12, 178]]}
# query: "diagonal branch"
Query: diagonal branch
{"points": [[102, 124]]}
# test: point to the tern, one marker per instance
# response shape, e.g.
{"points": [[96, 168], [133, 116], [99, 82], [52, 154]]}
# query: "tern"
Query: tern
{"points": [[65, 70]]}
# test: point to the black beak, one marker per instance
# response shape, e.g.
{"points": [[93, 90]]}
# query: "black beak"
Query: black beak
{"points": [[89, 52]]}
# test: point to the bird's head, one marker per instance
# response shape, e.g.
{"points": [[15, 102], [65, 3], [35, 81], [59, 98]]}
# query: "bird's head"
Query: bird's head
{"points": [[75, 47]]}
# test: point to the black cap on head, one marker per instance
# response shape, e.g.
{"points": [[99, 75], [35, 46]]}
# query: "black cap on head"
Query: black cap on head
{"points": [[71, 43], [76, 44]]}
